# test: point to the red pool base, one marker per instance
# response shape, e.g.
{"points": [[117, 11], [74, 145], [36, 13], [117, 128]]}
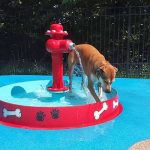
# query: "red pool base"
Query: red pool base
{"points": [[59, 117]]}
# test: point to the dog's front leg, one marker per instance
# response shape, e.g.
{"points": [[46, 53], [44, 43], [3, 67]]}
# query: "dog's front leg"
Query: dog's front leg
{"points": [[70, 80], [100, 91], [91, 89]]}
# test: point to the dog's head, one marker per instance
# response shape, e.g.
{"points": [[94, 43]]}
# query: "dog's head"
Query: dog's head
{"points": [[106, 75]]}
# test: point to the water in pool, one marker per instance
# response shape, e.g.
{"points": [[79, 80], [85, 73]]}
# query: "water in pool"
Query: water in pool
{"points": [[35, 93], [131, 126]]}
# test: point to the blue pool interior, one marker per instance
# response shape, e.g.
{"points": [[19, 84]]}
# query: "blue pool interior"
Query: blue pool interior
{"points": [[35, 93], [131, 126]]}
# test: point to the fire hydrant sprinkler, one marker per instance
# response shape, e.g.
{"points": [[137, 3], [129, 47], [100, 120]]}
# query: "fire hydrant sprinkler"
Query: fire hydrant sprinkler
{"points": [[57, 45]]}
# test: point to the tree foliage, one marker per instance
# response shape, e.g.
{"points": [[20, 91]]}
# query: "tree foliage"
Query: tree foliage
{"points": [[119, 28]]}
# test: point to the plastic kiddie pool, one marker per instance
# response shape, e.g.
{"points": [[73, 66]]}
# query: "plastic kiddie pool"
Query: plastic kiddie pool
{"points": [[25, 103]]}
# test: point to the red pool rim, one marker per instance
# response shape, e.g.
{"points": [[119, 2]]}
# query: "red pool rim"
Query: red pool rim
{"points": [[31, 117]]}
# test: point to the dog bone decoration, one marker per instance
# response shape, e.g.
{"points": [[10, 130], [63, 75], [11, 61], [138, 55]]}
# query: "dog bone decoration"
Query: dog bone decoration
{"points": [[16, 113], [98, 113], [115, 104]]}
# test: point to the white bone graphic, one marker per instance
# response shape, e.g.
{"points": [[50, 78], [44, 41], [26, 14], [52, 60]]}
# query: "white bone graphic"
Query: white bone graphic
{"points": [[115, 104], [98, 113], [7, 113]]}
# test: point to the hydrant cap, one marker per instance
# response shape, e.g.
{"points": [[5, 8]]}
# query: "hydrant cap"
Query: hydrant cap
{"points": [[56, 29]]}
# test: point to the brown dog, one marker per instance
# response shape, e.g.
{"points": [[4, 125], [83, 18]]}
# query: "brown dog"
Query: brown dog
{"points": [[95, 67]]}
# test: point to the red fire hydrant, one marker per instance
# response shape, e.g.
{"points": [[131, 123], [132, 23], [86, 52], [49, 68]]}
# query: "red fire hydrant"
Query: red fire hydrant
{"points": [[57, 45]]}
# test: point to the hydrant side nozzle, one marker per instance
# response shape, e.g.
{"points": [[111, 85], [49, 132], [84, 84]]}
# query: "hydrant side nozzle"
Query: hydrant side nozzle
{"points": [[72, 46]]}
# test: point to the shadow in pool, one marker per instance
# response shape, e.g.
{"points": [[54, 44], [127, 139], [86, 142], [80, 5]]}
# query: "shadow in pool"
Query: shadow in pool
{"points": [[20, 92]]}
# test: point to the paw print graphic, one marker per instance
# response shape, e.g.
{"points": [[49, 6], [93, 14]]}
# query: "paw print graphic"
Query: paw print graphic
{"points": [[40, 116], [55, 113]]}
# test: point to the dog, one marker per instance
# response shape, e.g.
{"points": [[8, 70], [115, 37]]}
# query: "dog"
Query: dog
{"points": [[96, 68]]}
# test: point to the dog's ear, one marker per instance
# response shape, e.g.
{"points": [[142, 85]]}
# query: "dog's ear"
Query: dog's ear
{"points": [[102, 68]]}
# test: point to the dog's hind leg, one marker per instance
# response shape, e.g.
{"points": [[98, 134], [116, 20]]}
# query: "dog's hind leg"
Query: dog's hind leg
{"points": [[83, 81], [71, 63]]}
